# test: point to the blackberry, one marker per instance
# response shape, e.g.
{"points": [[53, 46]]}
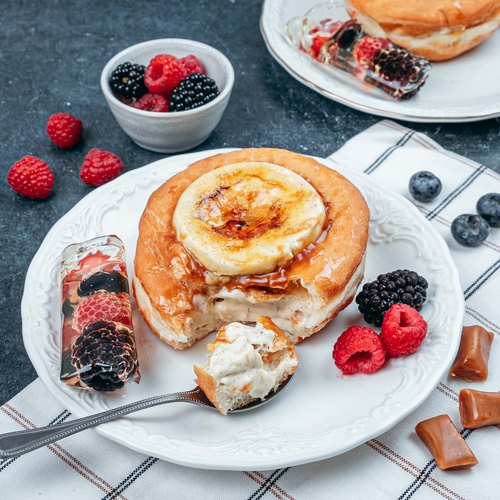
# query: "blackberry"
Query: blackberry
{"points": [[113, 282], [192, 92], [401, 286], [105, 356], [127, 81]]}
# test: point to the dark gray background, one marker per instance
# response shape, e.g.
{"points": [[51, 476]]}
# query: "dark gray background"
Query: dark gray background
{"points": [[51, 56]]}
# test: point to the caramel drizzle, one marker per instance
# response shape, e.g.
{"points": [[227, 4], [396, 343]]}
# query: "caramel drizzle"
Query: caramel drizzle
{"points": [[278, 279]]}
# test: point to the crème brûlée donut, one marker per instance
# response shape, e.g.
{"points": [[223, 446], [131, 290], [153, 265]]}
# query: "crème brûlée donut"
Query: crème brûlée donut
{"points": [[250, 233], [435, 29]]}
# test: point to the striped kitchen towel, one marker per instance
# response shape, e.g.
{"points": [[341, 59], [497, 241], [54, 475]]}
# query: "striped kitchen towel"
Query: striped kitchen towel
{"points": [[394, 465]]}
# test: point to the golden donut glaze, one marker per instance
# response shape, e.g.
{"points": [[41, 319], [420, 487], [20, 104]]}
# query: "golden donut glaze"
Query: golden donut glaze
{"points": [[171, 277]]}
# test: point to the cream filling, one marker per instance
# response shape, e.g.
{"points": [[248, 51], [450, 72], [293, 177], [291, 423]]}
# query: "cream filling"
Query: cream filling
{"points": [[204, 321], [296, 315], [446, 37], [442, 36], [370, 26], [238, 365]]}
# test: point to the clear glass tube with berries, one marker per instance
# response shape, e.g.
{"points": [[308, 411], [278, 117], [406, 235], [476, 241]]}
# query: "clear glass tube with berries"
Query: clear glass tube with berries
{"points": [[98, 345], [342, 44]]}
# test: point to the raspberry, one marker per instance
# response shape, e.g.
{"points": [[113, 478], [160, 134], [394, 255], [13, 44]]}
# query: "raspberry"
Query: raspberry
{"points": [[102, 306], [365, 49], [31, 177], [163, 74], [317, 43], [192, 64], [64, 130], [359, 349], [151, 102], [99, 167], [403, 330]]}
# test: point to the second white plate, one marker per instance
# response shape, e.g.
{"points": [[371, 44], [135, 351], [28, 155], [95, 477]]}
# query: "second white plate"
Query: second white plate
{"points": [[464, 89], [321, 413]]}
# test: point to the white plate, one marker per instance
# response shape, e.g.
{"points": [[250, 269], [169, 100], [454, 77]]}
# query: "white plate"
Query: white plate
{"points": [[320, 414], [461, 90]]}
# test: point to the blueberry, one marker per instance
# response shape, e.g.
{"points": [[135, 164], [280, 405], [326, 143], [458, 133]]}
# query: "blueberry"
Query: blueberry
{"points": [[488, 206], [424, 186], [470, 229]]}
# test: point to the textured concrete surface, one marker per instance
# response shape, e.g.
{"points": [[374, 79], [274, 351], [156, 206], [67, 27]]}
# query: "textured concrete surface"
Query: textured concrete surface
{"points": [[52, 53]]}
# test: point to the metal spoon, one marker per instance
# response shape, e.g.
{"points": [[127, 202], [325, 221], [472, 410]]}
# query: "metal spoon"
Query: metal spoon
{"points": [[14, 444]]}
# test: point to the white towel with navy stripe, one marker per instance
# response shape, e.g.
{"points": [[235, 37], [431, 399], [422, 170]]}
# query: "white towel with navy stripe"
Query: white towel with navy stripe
{"points": [[394, 465]]}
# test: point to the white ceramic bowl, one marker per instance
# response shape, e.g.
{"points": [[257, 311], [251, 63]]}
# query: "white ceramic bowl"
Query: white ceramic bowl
{"points": [[177, 131]]}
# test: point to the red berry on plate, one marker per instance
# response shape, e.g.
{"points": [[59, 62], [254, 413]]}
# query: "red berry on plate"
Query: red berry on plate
{"points": [[317, 43], [359, 349], [31, 177], [151, 102], [102, 306], [163, 74], [365, 49], [99, 167], [64, 130], [192, 64], [403, 330]]}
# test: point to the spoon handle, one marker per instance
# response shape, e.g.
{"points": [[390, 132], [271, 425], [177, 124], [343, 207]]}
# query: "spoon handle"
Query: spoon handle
{"points": [[14, 444]]}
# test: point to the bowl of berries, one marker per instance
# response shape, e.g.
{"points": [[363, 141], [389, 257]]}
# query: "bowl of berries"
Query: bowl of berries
{"points": [[168, 95]]}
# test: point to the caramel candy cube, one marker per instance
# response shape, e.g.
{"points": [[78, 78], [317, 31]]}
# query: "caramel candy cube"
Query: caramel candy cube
{"points": [[471, 363], [478, 408], [447, 446]]}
